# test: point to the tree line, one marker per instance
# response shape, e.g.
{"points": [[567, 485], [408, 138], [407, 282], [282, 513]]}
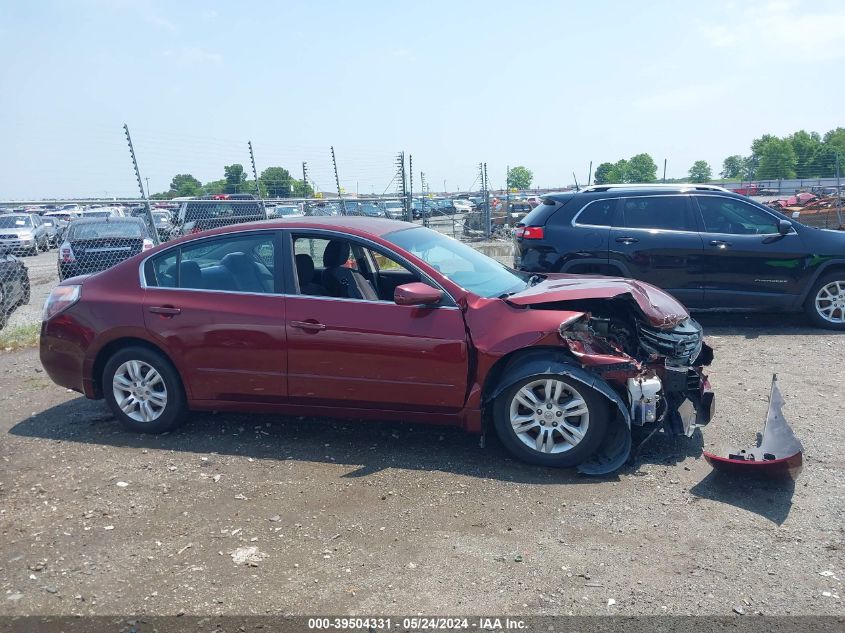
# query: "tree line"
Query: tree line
{"points": [[798, 155], [274, 182]]}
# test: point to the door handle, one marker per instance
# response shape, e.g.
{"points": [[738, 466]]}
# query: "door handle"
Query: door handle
{"points": [[310, 326], [627, 240], [719, 243], [165, 310]]}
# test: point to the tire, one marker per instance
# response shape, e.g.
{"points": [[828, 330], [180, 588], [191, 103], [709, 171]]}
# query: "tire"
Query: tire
{"points": [[560, 451], [825, 303], [27, 292], [160, 417]]}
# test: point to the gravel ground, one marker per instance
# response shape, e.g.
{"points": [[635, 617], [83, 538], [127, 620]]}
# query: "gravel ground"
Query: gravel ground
{"points": [[251, 515]]}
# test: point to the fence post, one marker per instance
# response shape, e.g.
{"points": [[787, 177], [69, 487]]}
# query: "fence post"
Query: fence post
{"points": [[838, 194], [410, 210], [488, 228], [422, 188], [150, 222], [337, 182], [257, 184]]}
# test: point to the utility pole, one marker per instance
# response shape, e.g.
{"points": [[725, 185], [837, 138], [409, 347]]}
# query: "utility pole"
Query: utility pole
{"points": [[148, 186], [337, 182], [664, 170], [508, 194], [150, 221], [488, 229], [403, 181], [255, 176], [304, 179], [590, 174], [410, 217]]}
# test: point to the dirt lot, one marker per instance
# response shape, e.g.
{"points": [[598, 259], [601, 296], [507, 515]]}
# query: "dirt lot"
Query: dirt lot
{"points": [[391, 518]]}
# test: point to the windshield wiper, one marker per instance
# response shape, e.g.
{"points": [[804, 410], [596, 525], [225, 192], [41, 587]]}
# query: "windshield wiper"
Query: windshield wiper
{"points": [[534, 279]]}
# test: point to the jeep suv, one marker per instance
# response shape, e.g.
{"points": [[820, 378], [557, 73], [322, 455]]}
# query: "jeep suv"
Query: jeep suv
{"points": [[711, 248]]}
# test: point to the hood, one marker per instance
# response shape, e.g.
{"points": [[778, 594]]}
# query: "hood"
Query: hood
{"points": [[660, 308]]}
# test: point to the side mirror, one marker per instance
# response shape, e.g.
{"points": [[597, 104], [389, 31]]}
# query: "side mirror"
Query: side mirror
{"points": [[784, 227], [415, 294]]}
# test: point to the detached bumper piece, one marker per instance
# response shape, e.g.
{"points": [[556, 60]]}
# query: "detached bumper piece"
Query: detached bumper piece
{"points": [[778, 452]]}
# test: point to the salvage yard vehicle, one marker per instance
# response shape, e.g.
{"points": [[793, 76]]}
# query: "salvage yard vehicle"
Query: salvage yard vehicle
{"points": [[14, 284], [200, 215], [710, 248], [95, 244], [23, 233], [370, 318]]}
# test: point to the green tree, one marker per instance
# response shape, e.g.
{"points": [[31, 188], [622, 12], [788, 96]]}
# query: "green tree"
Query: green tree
{"points": [[732, 167], [641, 168], [776, 159], [807, 146], [833, 143], [519, 177], [278, 182], [602, 173], [214, 187], [185, 185], [235, 177], [618, 172], [302, 189], [700, 172]]}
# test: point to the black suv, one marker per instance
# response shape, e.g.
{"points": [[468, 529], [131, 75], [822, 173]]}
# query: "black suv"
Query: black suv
{"points": [[712, 249]]}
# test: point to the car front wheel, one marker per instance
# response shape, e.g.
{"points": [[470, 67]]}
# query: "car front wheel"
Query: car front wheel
{"points": [[825, 304], [144, 391], [551, 420]]}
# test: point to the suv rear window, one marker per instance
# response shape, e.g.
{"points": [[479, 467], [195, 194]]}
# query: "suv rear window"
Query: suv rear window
{"points": [[655, 212], [597, 213], [217, 209]]}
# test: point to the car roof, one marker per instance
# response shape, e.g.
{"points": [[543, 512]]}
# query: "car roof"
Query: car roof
{"points": [[108, 219]]}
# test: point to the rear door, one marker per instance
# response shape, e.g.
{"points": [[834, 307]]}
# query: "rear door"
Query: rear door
{"points": [[373, 353], [747, 263], [654, 238], [216, 305]]}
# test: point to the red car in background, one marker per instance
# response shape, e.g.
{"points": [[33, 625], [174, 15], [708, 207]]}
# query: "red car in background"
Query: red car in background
{"points": [[371, 318]]}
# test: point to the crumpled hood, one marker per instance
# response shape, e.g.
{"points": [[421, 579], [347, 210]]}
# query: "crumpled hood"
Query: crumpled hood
{"points": [[660, 308]]}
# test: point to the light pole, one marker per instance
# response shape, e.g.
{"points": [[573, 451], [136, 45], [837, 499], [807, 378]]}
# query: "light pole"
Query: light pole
{"points": [[148, 186]]}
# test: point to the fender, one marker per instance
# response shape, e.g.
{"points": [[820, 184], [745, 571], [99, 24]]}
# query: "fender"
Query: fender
{"points": [[615, 449], [821, 270]]}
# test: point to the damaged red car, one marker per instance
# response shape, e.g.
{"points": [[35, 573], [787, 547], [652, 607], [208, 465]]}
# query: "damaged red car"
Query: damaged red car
{"points": [[369, 318]]}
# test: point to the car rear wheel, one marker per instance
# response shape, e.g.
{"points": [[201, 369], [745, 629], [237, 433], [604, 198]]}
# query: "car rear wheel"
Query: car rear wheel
{"points": [[144, 391], [825, 304], [551, 420]]}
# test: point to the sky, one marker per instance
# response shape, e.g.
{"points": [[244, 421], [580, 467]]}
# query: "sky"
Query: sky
{"points": [[548, 85]]}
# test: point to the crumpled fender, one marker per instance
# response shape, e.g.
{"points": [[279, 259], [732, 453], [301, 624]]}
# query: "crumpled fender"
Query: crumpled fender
{"points": [[615, 449]]}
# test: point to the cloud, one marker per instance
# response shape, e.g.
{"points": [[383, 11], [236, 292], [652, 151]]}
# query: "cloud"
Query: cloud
{"points": [[681, 96], [404, 53], [192, 56], [209, 14], [765, 32]]}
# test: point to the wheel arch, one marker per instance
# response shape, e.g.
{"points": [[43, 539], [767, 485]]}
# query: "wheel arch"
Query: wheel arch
{"points": [[110, 348], [824, 269], [615, 448]]}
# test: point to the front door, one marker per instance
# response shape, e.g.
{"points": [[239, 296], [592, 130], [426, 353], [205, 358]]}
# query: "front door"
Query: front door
{"points": [[350, 345], [655, 239], [215, 305], [747, 262]]}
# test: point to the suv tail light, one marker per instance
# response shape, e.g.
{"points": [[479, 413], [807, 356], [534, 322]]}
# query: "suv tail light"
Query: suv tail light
{"points": [[66, 253], [60, 300], [530, 232]]}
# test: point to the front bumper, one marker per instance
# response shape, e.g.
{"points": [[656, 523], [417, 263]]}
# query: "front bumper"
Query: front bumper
{"points": [[18, 244]]}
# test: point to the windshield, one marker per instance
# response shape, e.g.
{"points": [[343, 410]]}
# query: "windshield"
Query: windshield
{"points": [[97, 230], [15, 221], [458, 262]]}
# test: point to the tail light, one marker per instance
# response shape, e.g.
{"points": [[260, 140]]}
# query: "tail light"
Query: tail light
{"points": [[66, 253], [60, 300], [147, 244], [530, 232]]}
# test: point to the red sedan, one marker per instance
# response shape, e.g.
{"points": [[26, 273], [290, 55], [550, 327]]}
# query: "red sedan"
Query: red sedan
{"points": [[369, 318]]}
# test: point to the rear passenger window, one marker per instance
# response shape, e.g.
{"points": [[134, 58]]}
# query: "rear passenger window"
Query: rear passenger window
{"points": [[655, 212], [597, 213], [234, 264]]}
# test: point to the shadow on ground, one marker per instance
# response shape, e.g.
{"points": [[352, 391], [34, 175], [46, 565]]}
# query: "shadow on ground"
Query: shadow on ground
{"points": [[770, 498], [370, 446], [757, 324]]}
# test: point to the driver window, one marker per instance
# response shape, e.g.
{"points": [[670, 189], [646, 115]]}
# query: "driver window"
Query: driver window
{"points": [[734, 217], [345, 269]]}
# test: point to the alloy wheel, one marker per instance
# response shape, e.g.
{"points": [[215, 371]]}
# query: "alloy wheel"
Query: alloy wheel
{"points": [[139, 391], [549, 416], [830, 302]]}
